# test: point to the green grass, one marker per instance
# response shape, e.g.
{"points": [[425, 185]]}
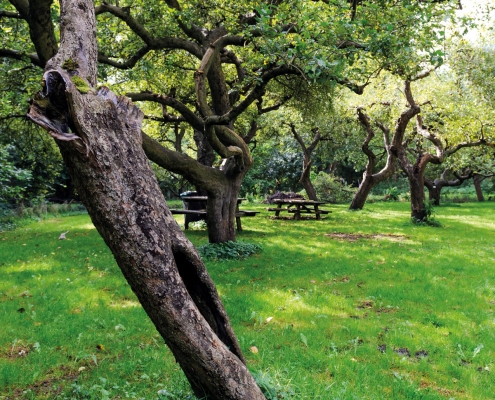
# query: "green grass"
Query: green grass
{"points": [[331, 318]]}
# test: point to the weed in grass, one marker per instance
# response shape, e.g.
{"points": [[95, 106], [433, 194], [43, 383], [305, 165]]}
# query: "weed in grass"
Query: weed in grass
{"points": [[228, 250]]}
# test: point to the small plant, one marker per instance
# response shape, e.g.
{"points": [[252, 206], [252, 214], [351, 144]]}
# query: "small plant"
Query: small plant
{"points": [[198, 225], [228, 250], [271, 388], [392, 194]]}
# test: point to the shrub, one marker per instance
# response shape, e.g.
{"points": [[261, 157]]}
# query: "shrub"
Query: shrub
{"points": [[330, 188], [228, 250]]}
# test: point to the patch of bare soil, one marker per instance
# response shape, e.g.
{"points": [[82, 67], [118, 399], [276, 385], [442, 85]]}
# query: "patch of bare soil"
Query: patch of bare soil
{"points": [[351, 237], [46, 389], [18, 350]]}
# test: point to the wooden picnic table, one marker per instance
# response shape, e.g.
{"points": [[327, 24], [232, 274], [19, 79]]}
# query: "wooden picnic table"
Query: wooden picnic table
{"points": [[298, 207], [187, 211]]}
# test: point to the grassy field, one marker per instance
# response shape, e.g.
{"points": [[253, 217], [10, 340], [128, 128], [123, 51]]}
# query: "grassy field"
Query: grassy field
{"points": [[359, 305]]}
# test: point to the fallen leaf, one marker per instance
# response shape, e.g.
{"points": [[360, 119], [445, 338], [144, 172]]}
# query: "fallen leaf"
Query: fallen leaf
{"points": [[253, 349]]}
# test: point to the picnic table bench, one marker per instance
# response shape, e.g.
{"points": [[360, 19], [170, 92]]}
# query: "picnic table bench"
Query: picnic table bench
{"points": [[187, 211], [298, 207]]}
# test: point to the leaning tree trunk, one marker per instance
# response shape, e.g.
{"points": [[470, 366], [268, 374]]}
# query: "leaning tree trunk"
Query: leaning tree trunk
{"points": [[477, 179], [99, 136], [362, 193], [305, 179]]}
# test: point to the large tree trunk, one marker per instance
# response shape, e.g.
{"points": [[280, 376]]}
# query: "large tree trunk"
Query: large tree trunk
{"points": [[99, 135], [477, 179], [416, 186], [222, 204]]}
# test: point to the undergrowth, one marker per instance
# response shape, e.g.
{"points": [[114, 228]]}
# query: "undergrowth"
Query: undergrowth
{"points": [[228, 250]]}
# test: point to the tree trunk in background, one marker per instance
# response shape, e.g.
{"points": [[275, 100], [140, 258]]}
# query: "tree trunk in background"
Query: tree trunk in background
{"points": [[370, 179], [305, 179], [363, 192], [434, 191], [417, 188], [99, 136], [222, 204], [477, 179]]}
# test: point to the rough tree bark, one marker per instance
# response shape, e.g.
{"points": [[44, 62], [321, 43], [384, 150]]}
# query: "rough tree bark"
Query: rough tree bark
{"points": [[369, 178], [99, 135], [305, 179]]}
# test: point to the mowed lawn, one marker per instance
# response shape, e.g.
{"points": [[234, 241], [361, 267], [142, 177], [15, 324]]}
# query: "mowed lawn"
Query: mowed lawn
{"points": [[359, 305]]}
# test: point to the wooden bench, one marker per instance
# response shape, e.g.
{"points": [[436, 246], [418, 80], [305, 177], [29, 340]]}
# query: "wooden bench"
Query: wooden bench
{"points": [[238, 215]]}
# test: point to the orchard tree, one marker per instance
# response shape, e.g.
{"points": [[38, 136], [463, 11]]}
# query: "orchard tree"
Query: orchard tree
{"points": [[447, 178], [219, 62], [99, 136]]}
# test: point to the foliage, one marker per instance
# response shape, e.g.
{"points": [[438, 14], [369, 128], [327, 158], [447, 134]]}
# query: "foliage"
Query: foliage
{"points": [[275, 168], [13, 181], [228, 250], [392, 194], [332, 189]]}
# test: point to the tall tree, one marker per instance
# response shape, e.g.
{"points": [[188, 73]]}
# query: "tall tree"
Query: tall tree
{"points": [[99, 136]]}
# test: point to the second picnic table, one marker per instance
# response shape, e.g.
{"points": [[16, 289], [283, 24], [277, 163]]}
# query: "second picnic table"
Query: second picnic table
{"points": [[298, 207]]}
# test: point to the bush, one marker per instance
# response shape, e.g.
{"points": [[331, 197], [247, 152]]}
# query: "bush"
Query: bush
{"points": [[331, 189], [228, 250], [13, 181]]}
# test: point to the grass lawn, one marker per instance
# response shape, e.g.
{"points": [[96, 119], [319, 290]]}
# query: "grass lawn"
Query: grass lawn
{"points": [[359, 305]]}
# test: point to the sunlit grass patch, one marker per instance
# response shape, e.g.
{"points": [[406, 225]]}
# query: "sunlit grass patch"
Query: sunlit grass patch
{"points": [[403, 311]]}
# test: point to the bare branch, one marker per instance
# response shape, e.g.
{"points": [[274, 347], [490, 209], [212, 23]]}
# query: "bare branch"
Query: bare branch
{"points": [[146, 37], [128, 64], [19, 55], [10, 14], [186, 113]]}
